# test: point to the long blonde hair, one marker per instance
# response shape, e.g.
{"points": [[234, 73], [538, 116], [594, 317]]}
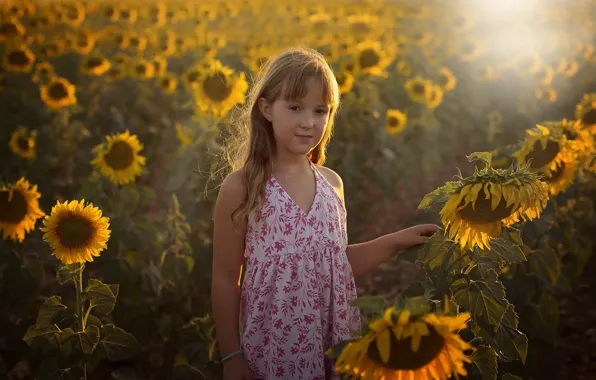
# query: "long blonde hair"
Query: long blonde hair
{"points": [[251, 146]]}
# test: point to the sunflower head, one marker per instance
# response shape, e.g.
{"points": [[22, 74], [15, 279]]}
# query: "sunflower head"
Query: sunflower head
{"points": [[219, 88], [118, 158], [95, 65], [11, 28], [544, 149], [419, 89], [76, 231], [22, 143], [447, 80], [477, 207], [19, 59], [402, 343], [372, 58], [585, 111], [58, 93], [395, 121], [19, 209]]}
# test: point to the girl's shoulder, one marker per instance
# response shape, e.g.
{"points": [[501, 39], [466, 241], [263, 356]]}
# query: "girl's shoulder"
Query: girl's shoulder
{"points": [[233, 185], [334, 180]]}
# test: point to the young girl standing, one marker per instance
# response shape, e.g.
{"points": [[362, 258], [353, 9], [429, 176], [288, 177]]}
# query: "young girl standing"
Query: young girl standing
{"points": [[285, 212]]}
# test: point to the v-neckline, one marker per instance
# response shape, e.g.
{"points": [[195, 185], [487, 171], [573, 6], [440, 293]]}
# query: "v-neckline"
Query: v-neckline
{"points": [[314, 201]]}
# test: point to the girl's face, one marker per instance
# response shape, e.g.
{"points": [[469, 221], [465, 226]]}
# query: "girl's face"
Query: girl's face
{"points": [[298, 125]]}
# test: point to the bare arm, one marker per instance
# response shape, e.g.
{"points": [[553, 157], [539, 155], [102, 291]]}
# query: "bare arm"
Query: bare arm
{"points": [[228, 252]]}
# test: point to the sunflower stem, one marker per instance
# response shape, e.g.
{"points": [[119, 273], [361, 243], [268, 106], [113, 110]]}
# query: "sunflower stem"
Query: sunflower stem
{"points": [[80, 320]]}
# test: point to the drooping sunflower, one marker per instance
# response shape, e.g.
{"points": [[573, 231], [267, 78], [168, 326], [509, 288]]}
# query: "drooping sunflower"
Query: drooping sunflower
{"points": [[544, 149], [560, 178], [22, 143], [76, 231], [19, 59], [480, 205], [446, 80], [372, 58], [419, 89], [404, 346], [220, 89], [586, 110], [118, 157], [395, 121], [579, 139], [95, 65], [19, 209], [58, 93]]}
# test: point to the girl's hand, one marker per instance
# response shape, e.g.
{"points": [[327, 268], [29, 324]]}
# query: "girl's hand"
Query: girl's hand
{"points": [[413, 236]]}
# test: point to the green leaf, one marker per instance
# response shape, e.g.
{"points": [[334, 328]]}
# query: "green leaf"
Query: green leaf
{"points": [[484, 360], [43, 337], [69, 272], [545, 317], [545, 264], [484, 299], [484, 264], [117, 344], [78, 344], [48, 311], [509, 376], [101, 296], [506, 338], [439, 251], [485, 157], [374, 305], [441, 194], [504, 251]]}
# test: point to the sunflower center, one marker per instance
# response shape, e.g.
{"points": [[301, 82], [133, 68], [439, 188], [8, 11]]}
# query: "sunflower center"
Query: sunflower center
{"points": [[401, 355], [120, 156], [141, 69], [57, 91], [590, 117], [94, 62], [542, 156], [418, 88], [18, 57], [570, 134], [216, 88], [15, 210], [483, 212], [393, 122], [8, 29], [340, 78], [23, 143], [368, 58], [74, 231]]}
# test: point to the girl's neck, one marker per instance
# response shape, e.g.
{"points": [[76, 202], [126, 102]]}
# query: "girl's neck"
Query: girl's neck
{"points": [[290, 166]]}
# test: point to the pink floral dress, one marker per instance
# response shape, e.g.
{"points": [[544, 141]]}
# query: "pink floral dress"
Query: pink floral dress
{"points": [[298, 285]]}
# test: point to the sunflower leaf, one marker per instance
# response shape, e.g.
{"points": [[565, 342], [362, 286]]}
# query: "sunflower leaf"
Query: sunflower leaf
{"points": [[545, 317], [42, 337], [484, 361], [485, 157], [48, 311], [441, 194], [373, 305], [483, 298], [116, 344], [101, 296], [545, 264], [505, 338], [503, 251], [79, 344]]}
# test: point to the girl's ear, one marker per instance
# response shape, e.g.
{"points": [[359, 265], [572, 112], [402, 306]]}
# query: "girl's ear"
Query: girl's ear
{"points": [[265, 108]]}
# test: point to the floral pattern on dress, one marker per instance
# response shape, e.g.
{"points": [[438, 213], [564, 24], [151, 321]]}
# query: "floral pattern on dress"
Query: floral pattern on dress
{"points": [[298, 285]]}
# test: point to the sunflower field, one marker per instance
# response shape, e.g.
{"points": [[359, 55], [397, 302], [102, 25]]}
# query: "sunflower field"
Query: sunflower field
{"points": [[476, 115]]}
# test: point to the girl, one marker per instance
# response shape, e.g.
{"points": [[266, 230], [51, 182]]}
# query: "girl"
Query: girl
{"points": [[285, 213]]}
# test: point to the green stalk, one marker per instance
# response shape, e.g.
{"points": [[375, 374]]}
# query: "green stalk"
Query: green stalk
{"points": [[81, 323]]}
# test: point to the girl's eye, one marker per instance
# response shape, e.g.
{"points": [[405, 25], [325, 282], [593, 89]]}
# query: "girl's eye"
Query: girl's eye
{"points": [[294, 108], [322, 112]]}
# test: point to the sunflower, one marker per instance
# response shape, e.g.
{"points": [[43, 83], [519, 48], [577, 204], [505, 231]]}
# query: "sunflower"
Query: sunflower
{"points": [[95, 64], [435, 97], [43, 72], [560, 178], [579, 139], [345, 81], [395, 122], [183, 137], [468, 50], [22, 143], [362, 25], [419, 89], [506, 197], [142, 69], [446, 80], [404, 67], [220, 89], [72, 13], [19, 209], [118, 158], [586, 110], [11, 28], [120, 59], [115, 73], [544, 149], [52, 48], [136, 42], [402, 346], [76, 232], [168, 83], [83, 41], [372, 58], [58, 93], [160, 64], [19, 59]]}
